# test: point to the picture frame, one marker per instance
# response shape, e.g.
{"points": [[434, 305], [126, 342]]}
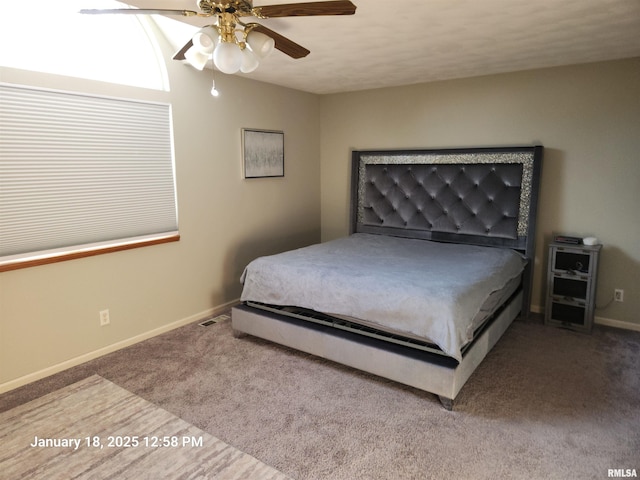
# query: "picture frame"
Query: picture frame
{"points": [[262, 153]]}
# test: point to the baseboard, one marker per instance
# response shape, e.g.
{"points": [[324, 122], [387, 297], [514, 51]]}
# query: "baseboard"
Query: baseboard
{"points": [[32, 377], [608, 322]]}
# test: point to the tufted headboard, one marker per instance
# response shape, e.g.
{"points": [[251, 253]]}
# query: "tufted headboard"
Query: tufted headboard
{"points": [[481, 196]]}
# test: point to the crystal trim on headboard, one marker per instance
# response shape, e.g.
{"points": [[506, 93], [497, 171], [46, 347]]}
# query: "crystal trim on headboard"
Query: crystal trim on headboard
{"points": [[526, 159]]}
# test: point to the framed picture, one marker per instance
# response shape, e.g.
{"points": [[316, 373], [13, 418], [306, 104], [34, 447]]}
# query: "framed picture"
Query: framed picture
{"points": [[263, 153]]}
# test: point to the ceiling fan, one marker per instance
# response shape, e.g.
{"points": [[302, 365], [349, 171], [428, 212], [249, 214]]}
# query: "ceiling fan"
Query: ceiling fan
{"points": [[234, 44]]}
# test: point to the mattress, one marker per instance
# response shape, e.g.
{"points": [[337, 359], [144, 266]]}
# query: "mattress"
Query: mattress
{"points": [[434, 291]]}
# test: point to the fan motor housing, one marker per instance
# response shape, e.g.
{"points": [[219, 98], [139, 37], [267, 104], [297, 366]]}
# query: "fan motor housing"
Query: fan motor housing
{"points": [[234, 6]]}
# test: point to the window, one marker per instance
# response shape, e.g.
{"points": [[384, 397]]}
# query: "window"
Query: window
{"points": [[81, 173], [52, 37]]}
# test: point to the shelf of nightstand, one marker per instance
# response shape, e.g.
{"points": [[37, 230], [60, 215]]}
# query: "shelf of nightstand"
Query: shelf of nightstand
{"points": [[571, 283]]}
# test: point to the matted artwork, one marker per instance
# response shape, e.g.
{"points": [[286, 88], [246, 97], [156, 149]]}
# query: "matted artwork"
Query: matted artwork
{"points": [[263, 153]]}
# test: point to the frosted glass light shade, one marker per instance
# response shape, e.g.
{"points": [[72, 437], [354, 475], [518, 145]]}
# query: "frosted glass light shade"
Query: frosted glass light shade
{"points": [[197, 59], [205, 40], [228, 57], [261, 44], [249, 61]]}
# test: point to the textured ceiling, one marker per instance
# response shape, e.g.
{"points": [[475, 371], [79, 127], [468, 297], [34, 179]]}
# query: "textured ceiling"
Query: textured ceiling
{"points": [[390, 43]]}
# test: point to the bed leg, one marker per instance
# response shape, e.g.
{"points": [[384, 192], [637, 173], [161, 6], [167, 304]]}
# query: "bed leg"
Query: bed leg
{"points": [[447, 403], [238, 333]]}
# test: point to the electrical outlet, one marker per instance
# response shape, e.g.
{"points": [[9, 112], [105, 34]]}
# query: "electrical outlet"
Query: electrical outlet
{"points": [[104, 318], [618, 295]]}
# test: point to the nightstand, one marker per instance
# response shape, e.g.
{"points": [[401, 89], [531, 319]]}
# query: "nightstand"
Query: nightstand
{"points": [[571, 286]]}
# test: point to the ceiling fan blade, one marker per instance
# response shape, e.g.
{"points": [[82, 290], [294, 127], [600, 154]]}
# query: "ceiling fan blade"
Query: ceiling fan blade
{"points": [[286, 46], [179, 55], [142, 11], [335, 7]]}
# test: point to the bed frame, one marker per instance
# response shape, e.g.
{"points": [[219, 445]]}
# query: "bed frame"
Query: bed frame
{"points": [[479, 196]]}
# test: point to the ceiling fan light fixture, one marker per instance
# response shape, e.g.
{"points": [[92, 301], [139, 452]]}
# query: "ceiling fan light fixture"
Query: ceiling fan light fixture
{"points": [[250, 61], [234, 45], [227, 57], [196, 59], [261, 44], [205, 40]]}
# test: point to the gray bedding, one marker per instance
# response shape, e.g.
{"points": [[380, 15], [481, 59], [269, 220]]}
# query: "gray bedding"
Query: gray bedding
{"points": [[420, 288]]}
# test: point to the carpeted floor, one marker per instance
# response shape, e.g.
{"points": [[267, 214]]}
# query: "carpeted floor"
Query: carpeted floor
{"points": [[546, 403]]}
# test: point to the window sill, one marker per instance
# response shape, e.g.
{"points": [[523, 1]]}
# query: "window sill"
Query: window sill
{"points": [[62, 255]]}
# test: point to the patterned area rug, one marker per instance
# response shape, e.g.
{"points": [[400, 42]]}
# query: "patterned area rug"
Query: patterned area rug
{"points": [[95, 429]]}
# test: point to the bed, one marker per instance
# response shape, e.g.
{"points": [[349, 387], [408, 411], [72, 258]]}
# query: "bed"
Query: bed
{"points": [[437, 265]]}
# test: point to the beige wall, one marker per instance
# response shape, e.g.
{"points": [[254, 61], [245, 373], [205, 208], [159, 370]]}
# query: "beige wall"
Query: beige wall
{"points": [[49, 314], [588, 119]]}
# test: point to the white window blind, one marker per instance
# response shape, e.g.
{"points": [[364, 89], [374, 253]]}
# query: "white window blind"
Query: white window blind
{"points": [[78, 170]]}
